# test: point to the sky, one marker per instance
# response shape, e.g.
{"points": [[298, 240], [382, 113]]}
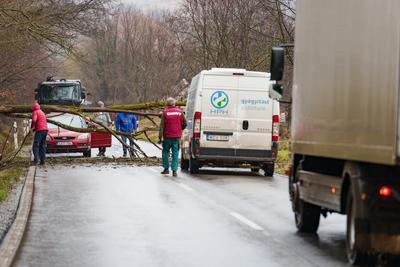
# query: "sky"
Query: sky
{"points": [[152, 4]]}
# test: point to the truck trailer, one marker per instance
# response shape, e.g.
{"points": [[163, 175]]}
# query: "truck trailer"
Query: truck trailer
{"points": [[345, 120]]}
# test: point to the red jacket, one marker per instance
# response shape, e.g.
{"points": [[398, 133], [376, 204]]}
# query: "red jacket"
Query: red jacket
{"points": [[173, 122], [39, 121]]}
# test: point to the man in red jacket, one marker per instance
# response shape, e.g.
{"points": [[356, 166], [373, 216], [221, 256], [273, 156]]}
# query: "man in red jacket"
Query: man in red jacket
{"points": [[172, 123], [39, 126]]}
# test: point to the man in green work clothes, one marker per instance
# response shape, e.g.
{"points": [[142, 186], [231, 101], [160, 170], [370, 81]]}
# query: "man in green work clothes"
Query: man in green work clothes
{"points": [[172, 123]]}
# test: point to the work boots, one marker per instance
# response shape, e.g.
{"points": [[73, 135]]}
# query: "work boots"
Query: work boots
{"points": [[166, 171]]}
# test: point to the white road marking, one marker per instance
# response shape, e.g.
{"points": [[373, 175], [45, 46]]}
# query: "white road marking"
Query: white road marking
{"points": [[224, 209], [186, 187], [267, 234], [246, 221], [153, 170]]}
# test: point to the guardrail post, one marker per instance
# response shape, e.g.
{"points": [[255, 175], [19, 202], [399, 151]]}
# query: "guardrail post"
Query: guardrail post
{"points": [[15, 126]]}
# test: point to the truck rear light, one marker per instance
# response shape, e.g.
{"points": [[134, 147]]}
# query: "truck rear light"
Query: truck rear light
{"points": [[197, 125], [275, 128], [288, 171], [385, 191]]}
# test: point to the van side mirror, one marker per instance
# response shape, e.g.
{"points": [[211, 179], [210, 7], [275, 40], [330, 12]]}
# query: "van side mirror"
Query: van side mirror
{"points": [[277, 63], [37, 94]]}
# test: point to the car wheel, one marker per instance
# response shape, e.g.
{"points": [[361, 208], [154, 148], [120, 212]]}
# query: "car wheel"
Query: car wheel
{"points": [[269, 169], [355, 256], [184, 163], [194, 165], [307, 216], [87, 153]]}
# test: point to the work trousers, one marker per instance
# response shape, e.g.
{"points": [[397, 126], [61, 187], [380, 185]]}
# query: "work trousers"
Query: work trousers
{"points": [[39, 146], [125, 148], [173, 145]]}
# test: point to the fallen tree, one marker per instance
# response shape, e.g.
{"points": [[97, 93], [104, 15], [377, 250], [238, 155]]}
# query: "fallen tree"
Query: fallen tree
{"points": [[132, 108], [146, 110]]}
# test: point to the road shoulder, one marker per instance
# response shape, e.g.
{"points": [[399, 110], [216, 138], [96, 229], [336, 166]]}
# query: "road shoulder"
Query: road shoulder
{"points": [[12, 240]]}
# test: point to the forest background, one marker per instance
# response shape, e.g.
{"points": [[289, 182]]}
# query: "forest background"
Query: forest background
{"points": [[124, 54]]}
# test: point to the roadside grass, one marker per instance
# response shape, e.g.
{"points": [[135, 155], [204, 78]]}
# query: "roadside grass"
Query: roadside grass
{"points": [[18, 168], [283, 160], [9, 177]]}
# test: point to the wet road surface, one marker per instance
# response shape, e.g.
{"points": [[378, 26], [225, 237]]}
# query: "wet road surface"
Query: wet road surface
{"points": [[134, 216]]}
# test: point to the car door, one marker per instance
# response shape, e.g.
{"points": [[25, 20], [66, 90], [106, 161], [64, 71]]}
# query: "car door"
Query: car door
{"points": [[101, 139]]}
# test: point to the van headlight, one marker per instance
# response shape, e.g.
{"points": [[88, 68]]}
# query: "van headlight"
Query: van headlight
{"points": [[83, 136]]}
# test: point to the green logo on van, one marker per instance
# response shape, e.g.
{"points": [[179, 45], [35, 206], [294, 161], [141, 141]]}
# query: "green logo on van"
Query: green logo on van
{"points": [[219, 99]]}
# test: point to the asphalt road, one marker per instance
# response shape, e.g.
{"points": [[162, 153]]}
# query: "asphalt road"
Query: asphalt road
{"points": [[134, 216]]}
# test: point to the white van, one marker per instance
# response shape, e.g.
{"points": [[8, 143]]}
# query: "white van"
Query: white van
{"points": [[232, 122]]}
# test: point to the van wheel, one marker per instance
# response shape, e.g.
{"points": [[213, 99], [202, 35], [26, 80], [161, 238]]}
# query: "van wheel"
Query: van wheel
{"points": [[194, 165], [269, 169], [87, 153], [306, 216], [184, 163], [355, 256]]}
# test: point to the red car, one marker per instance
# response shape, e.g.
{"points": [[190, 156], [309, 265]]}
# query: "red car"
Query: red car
{"points": [[60, 140]]}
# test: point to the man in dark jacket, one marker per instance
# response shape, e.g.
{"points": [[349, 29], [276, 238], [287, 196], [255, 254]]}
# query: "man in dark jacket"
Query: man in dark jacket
{"points": [[172, 123], [39, 126], [126, 123]]}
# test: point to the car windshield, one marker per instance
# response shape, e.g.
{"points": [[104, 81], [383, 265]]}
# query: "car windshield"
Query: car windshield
{"points": [[60, 92], [73, 121], [102, 118]]}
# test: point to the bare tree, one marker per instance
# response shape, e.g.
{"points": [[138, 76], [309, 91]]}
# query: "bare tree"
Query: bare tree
{"points": [[132, 59], [234, 33], [33, 32]]}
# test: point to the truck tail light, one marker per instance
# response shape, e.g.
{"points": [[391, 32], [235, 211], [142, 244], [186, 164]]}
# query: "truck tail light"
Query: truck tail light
{"points": [[385, 191], [197, 125], [275, 128]]}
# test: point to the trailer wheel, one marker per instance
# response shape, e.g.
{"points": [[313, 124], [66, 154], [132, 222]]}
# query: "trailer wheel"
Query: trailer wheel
{"points": [[307, 216], [269, 169], [355, 256], [194, 165], [255, 170], [184, 163], [87, 153]]}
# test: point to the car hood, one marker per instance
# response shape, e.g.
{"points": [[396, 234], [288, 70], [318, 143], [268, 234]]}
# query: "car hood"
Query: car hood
{"points": [[62, 132]]}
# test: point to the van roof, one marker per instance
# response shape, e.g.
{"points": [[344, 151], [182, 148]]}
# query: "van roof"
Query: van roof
{"points": [[231, 71]]}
